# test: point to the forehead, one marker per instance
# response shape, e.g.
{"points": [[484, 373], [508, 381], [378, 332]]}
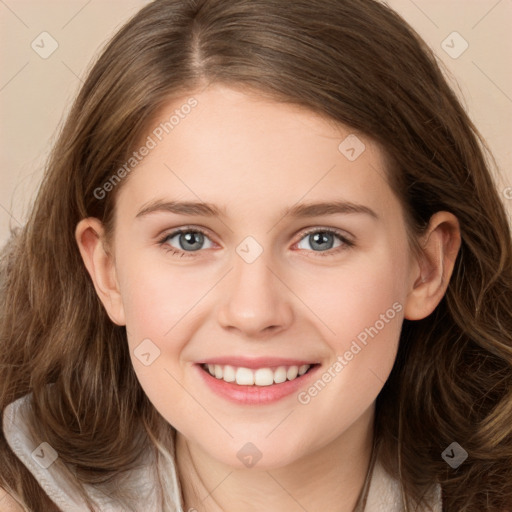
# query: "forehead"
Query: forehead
{"points": [[240, 151]]}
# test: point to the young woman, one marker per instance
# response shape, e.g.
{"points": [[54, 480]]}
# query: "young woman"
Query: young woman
{"points": [[267, 269]]}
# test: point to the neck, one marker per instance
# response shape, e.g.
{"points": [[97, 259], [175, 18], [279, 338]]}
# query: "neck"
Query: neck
{"points": [[330, 479]]}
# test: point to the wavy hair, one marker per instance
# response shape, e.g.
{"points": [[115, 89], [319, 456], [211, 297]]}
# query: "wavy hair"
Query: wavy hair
{"points": [[356, 63]]}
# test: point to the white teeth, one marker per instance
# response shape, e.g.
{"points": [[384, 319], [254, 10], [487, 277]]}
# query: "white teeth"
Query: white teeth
{"points": [[280, 375], [303, 369], [244, 377], [292, 372], [260, 377], [264, 377], [229, 374]]}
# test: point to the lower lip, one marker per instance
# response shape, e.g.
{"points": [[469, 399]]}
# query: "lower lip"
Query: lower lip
{"points": [[255, 395]]}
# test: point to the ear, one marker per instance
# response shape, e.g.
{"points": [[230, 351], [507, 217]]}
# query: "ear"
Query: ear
{"points": [[434, 267], [90, 237]]}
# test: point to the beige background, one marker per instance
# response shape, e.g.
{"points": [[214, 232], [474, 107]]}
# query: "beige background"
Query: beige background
{"points": [[35, 93]]}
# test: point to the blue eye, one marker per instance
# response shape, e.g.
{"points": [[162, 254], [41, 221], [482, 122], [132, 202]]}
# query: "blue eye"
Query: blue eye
{"points": [[324, 238], [189, 241]]}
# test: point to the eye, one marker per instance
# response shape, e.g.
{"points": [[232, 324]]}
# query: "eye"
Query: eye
{"points": [[187, 239], [322, 241]]}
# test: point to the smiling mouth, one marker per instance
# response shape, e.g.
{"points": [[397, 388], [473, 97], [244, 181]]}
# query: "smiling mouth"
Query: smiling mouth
{"points": [[257, 377]]}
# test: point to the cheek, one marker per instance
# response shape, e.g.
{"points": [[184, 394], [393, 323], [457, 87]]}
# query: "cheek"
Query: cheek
{"points": [[157, 296], [361, 324], [157, 302], [353, 297], [160, 303], [364, 317]]}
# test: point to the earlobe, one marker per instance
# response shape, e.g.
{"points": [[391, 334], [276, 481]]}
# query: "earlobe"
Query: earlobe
{"points": [[431, 275], [90, 237]]}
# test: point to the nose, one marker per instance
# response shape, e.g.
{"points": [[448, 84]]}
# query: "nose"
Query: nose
{"points": [[256, 301]]}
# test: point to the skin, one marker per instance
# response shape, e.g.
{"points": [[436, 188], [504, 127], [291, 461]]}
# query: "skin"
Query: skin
{"points": [[253, 157], [8, 503]]}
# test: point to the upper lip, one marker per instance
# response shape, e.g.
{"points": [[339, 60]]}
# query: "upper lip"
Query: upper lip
{"points": [[255, 362]]}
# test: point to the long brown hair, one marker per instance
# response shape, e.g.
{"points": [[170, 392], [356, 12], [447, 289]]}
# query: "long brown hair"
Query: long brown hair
{"points": [[357, 63]]}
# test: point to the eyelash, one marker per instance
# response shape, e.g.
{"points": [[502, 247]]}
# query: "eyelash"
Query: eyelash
{"points": [[347, 244]]}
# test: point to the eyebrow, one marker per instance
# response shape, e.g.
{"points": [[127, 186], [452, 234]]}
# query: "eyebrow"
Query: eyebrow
{"points": [[304, 210]]}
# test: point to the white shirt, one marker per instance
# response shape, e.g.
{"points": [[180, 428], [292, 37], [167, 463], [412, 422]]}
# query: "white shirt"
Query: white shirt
{"points": [[42, 461]]}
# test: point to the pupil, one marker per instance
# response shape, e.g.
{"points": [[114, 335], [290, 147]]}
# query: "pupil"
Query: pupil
{"points": [[321, 239], [192, 239]]}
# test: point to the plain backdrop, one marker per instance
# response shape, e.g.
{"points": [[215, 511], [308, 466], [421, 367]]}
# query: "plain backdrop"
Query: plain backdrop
{"points": [[36, 92]]}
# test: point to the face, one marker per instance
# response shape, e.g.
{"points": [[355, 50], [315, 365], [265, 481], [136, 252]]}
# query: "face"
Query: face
{"points": [[294, 259]]}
